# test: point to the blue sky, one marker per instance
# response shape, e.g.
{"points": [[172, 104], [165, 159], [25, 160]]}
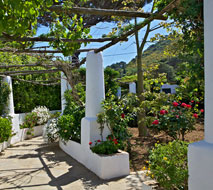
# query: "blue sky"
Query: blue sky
{"points": [[124, 51]]}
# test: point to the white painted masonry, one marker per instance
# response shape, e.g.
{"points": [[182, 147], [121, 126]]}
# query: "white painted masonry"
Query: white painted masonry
{"points": [[64, 86], [106, 167], [169, 86], [132, 87], [10, 106], [200, 154]]}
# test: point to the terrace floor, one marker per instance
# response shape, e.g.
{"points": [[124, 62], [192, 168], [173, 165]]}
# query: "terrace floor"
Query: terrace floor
{"points": [[34, 165]]}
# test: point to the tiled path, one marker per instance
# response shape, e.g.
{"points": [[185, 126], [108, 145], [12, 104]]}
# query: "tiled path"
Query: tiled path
{"points": [[34, 165]]}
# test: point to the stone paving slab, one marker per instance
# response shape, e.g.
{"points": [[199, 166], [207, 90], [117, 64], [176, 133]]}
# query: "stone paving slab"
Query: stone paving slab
{"points": [[34, 165]]}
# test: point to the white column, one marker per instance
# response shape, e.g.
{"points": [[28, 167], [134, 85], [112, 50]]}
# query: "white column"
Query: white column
{"points": [[95, 90], [10, 106], [119, 92], [64, 86], [95, 94], [200, 154], [132, 87]]}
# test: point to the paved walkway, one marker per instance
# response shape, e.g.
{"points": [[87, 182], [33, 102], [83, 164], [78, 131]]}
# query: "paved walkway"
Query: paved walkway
{"points": [[34, 165]]}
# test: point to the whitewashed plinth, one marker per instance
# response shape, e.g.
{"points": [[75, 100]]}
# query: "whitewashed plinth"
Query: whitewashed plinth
{"points": [[37, 131], [200, 155], [90, 131], [1, 147], [104, 166]]}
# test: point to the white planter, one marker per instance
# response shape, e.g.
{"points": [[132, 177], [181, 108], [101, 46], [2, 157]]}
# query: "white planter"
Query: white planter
{"points": [[23, 135], [106, 167], [1, 146], [4, 145], [38, 130]]}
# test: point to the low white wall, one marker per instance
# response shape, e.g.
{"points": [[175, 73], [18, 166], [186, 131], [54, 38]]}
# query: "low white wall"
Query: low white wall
{"points": [[17, 120], [106, 166]]}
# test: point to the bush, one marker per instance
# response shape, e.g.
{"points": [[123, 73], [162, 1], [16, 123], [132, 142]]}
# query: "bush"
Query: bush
{"points": [[69, 125], [168, 164], [5, 129], [4, 96], [176, 119], [116, 120], [51, 131], [43, 114], [30, 120], [67, 129], [105, 147]]}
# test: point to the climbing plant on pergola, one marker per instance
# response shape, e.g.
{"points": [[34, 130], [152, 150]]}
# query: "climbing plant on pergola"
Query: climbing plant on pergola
{"points": [[67, 31]]}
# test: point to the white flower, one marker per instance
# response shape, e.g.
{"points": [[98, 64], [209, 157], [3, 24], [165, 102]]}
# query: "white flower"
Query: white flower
{"points": [[42, 113]]}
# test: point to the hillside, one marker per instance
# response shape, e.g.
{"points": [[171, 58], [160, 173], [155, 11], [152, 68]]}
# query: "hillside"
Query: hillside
{"points": [[154, 54]]}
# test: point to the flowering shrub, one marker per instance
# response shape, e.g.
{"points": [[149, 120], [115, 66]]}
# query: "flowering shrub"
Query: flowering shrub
{"points": [[30, 120], [5, 129], [105, 147], [116, 120], [67, 130], [175, 120], [168, 165], [43, 114], [51, 131]]}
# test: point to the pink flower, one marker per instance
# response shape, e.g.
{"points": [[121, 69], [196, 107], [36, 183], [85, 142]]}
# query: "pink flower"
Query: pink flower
{"points": [[162, 112], [195, 115], [90, 143], [175, 104], [156, 122], [202, 110], [177, 116], [192, 101], [188, 106], [183, 105]]}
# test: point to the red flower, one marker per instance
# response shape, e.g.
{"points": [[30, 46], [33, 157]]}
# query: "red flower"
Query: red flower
{"points": [[156, 122], [115, 141], [183, 105], [192, 101], [202, 110], [110, 138], [162, 112], [166, 111], [195, 115], [175, 104], [122, 115], [90, 143], [188, 106], [197, 102], [98, 140], [177, 116]]}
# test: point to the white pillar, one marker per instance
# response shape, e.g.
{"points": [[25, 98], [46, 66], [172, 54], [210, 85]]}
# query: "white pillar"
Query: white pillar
{"points": [[10, 106], [64, 86], [132, 87], [95, 94], [119, 92], [200, 154], [95, 90]]}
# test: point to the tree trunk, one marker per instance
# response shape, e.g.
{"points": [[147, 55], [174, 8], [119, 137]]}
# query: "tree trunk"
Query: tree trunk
{"points": [[142, 129]]}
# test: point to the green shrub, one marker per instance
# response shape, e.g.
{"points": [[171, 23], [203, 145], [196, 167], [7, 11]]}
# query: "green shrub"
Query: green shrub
{"points": [[4, 96], [105, 147], [168, 164], [175, 119], [30, 120], [67, 129], [5, 129], [69, 124]]}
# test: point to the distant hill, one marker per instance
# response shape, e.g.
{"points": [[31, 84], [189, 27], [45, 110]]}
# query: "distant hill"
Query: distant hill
{"points": [[153, 54]]}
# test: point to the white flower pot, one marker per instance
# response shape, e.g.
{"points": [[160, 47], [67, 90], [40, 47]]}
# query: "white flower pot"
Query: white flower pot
{"points": [[1, 146]]}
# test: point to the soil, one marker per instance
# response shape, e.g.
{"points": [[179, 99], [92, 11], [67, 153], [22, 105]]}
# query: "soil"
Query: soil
{"points": [[140, 146]]}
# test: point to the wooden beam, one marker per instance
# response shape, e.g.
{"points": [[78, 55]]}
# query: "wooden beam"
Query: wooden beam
{"points": [[8, 38], [27, 65], [103, 12], [43, 51], [28, 72]]}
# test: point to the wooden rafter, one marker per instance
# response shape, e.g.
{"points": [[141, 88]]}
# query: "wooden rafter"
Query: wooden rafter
{"points": [[103, 12], [43, 51], [27, 65], [8, 38]]}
